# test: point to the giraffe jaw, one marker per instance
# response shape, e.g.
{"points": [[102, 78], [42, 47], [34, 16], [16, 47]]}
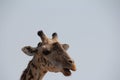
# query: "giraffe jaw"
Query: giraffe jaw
{"points": [[66, 72]]}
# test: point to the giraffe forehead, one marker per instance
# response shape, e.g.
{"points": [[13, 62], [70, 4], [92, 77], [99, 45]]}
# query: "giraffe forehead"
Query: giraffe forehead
{"points": [[50, 43]]}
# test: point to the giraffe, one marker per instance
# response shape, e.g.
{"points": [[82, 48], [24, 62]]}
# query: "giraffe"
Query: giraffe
{"points": [[49, 55]]}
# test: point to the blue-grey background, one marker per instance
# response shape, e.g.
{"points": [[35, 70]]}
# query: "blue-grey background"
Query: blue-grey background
{"points": [[90, 27]]}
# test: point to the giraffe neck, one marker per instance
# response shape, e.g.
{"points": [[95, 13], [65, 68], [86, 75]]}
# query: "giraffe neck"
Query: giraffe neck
{"points": [[33, 72]]}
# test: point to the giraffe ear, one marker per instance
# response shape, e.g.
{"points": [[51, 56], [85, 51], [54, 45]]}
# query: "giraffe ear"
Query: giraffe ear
{"points": [[29, 50], [65, 46]]}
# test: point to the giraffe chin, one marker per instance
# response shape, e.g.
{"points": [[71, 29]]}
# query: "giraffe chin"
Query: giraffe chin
{"points": [[66, 72]]}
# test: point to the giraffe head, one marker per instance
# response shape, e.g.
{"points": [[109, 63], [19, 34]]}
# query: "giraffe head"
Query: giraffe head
{"points": [[51, 55]]}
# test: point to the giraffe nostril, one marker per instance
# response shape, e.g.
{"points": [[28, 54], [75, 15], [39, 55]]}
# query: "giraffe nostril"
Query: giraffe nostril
{"points": [[70, 61]]}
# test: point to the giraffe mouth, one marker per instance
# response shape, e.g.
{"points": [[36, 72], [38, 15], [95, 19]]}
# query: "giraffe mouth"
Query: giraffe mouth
{"points": [[66, 72]]}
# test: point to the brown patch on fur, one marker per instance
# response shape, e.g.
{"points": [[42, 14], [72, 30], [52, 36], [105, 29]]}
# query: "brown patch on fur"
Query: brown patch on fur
{"points": [[44, 71], [34, 66], [31, 75], [23, 77]]}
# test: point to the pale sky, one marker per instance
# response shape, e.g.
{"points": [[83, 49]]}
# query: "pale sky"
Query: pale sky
{"points": [[90, 27]]}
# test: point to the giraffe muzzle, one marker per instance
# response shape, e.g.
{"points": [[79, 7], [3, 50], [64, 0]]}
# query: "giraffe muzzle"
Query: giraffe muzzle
{"points": [[73, 67]]}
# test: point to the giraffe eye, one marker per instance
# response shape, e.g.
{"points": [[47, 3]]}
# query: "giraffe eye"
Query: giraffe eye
{"points": [[46, 52]]}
